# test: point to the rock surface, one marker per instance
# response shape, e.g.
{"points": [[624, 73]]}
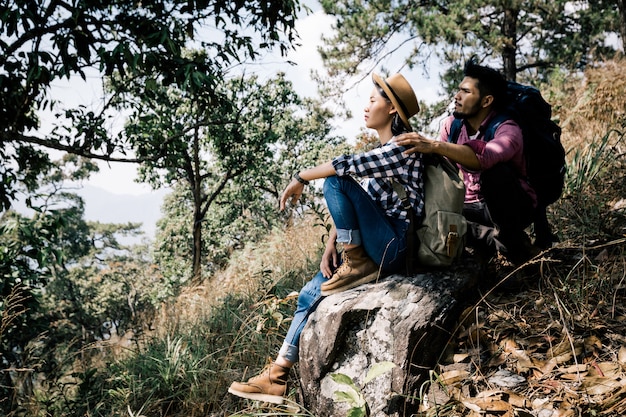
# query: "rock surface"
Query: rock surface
{"points": [[400, 319]]}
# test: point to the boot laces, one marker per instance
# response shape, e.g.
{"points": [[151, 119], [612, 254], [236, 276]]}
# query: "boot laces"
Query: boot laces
{"points": [[345, 264], [266, 371]]}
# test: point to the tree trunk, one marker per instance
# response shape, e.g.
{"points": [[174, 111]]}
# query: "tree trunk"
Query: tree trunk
{"points": [[197, 250], [509, 30], [621, 5], [197, 209]]}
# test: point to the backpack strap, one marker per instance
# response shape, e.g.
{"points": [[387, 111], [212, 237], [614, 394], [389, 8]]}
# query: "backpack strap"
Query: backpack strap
{"points": [[494, 124], [399, 189], [455, 130], [411, 238], [490, 132]]}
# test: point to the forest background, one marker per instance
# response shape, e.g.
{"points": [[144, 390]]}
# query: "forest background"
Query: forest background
{"points": [[91, 326]]}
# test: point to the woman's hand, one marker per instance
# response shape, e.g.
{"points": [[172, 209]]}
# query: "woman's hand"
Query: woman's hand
{"points": [[330, 257], [295, 187], [414, 142], [293, 190]]}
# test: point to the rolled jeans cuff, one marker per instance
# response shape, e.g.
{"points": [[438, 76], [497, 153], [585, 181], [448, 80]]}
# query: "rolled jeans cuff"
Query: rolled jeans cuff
{"points": [[352, 237], [289, 352]]}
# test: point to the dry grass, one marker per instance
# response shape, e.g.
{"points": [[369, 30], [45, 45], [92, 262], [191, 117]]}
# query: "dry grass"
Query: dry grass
{"points": [[587, 108], [256, 268]]}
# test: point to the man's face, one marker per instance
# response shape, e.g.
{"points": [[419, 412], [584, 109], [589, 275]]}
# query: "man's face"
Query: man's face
{"points": [[467, 101]]}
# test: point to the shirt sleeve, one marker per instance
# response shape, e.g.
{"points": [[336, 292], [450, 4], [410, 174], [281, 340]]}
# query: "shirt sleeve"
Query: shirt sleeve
{"points": [[507, 143], [384, 161], [445, 127]]}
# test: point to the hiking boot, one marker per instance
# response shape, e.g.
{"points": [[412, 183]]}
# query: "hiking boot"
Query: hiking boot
{"points": [[269, 386], [521, 251], [356, 268]]}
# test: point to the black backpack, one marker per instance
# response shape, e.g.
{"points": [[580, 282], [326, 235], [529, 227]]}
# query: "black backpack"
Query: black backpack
{"points": [[543, 151]]}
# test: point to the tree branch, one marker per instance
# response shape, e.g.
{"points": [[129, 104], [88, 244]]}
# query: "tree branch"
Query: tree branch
{"points": [[71, 149]]}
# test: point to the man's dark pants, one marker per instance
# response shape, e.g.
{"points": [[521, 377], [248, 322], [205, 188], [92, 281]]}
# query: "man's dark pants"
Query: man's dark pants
{"points": [[499, 221]]}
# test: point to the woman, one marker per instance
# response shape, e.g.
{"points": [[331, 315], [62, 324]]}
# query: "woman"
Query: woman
{"points": [[369, 220]]}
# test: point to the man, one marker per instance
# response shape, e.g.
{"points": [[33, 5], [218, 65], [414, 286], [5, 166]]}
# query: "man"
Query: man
{"points": [[499, 202]]}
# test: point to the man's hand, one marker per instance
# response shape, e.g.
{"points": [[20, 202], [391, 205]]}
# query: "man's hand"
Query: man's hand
{"points": [[414, 142], [461, 154], [294, 191]]}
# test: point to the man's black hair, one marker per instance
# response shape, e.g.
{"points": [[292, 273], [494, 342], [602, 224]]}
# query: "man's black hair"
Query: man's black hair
{"points": [[490, 81]]}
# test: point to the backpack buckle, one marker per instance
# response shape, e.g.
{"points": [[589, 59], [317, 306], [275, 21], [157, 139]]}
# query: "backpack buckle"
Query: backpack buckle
{"points": [[452, 240]]}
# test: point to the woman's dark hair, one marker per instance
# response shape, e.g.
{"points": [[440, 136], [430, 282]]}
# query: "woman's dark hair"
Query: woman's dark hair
{"points": [[397, 125], [490, 81]]}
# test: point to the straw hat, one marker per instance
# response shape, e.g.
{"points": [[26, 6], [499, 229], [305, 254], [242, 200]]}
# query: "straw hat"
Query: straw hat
{"points": [[401, 95]]}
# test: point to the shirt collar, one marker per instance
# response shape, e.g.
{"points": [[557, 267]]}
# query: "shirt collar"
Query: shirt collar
{"points": [[483, 126]]}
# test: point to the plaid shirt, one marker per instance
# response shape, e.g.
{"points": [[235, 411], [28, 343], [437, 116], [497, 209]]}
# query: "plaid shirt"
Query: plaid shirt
{"points": [[377, 167]]}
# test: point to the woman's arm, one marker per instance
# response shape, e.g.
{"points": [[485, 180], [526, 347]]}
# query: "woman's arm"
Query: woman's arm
{"points": [[295, 188], [320, 171]]}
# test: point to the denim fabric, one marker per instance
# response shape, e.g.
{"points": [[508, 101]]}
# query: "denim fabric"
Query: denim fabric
{"points": [[308, 299], [354, 214], [353, 210]]}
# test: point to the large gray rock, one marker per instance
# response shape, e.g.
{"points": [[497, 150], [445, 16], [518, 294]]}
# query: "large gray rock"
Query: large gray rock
{"points": [[404, 320]]}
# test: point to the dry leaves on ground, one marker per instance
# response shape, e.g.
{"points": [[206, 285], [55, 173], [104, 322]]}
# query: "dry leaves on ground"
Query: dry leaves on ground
{"points": [[555, 349]]}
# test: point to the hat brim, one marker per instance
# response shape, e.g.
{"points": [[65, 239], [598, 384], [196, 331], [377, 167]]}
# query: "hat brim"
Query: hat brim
{"points": [[392, 96]]}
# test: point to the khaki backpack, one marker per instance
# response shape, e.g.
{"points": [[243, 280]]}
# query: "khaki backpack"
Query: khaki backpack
{"points": [[440, 237]]}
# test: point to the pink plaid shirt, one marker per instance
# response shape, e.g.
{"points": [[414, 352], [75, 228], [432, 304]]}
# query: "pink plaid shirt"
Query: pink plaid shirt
{"points": [[506, 145]]}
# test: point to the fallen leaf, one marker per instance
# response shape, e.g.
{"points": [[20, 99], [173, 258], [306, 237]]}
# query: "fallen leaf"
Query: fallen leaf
{"points": [[506, 379], [602, 256], [508, 345], [574, 377], [621, 355], [524, 363], [606, 369], [548, 366], [517, 400], [592, 343], [595, 385], [579, 368], [460, 357], [451, 377], [493, 405]]}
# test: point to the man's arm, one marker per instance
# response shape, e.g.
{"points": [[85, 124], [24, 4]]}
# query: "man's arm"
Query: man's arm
{"points": [[461, 154]]}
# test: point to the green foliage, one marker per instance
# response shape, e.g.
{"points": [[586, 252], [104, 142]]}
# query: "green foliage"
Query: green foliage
{"points": [[553, 33], [189, 369], [588, 163], [354, 395], [48, 41], [157, 380], [227, 160], [594, 180], [61, 279], [72, 295], [173, 239]]}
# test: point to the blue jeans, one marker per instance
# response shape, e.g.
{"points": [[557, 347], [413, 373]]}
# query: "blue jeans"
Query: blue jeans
{"points": [[359, 220]]}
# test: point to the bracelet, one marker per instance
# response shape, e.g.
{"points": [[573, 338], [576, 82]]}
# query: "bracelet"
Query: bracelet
{"points": [[300, 179]]}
